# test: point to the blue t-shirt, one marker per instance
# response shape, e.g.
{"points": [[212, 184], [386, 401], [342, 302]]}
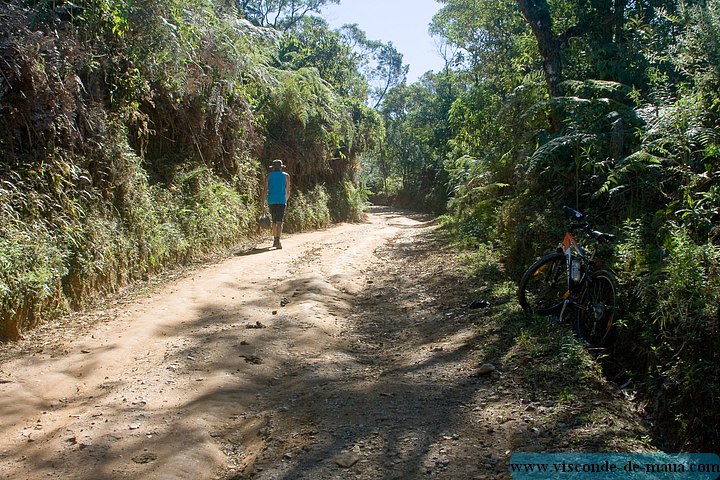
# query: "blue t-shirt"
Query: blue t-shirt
{"points": [[277, 188]]}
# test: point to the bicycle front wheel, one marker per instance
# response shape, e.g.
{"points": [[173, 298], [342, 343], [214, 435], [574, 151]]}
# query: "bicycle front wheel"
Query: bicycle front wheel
{"points": [[597, 309], [544, 287]]}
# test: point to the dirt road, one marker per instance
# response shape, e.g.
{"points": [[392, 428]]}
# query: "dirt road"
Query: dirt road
{"points": [[351, 353]]}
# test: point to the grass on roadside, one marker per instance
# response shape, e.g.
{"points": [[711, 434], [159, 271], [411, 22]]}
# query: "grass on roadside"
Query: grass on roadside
{"points": [[545, 364]]}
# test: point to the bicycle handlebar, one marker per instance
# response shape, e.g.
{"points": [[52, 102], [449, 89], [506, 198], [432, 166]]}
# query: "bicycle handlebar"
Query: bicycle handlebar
{"points": [[572, 213], [585, 226], [602, 237]]}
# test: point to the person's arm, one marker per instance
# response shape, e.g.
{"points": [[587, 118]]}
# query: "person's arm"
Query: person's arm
{"points": [[287, 188]]}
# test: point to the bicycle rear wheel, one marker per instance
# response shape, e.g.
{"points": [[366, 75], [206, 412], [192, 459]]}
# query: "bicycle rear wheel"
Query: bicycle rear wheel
{"points": [[543, 288], [597, 309]]}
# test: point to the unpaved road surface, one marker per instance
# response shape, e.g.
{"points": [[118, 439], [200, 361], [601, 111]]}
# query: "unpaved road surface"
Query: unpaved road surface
{"points": [[351, 353]]}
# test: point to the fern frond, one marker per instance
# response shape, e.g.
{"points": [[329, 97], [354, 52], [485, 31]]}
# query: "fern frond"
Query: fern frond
{"points": [[558, 150], [597, 89], [636, 165], [704, 136]]}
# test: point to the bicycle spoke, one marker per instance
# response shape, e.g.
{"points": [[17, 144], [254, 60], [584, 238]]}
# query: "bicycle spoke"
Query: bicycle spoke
{"points": [[597, 309], [543, 287]]}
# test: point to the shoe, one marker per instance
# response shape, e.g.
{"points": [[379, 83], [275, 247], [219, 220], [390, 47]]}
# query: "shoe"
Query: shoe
{"points": [[278, 245]]}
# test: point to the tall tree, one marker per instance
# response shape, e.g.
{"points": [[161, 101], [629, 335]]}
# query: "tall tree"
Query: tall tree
{"points": [[279, 14], [608, 36], [537, 14], [313, 44], [389, 71], [488, 37], [381, 63]]}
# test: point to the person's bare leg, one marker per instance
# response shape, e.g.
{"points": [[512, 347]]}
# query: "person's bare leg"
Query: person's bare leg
{"points": [[276, 231]]}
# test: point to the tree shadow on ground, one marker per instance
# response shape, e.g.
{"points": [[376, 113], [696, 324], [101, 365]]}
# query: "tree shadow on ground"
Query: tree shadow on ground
{"points": [[410, 401], [400, 394]]}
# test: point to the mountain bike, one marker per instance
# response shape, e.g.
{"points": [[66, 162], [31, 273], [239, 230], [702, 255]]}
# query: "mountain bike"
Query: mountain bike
{"points": [[567, 281]]}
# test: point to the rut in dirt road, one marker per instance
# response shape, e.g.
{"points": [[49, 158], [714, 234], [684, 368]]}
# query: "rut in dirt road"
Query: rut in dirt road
{"points": [[351, 353], [396, 397], [421, 383]]}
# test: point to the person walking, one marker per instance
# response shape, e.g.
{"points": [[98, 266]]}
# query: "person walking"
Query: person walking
{"points": [[276, 194]]}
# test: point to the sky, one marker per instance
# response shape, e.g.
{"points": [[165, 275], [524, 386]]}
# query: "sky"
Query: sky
{"points": [[403, 22]]}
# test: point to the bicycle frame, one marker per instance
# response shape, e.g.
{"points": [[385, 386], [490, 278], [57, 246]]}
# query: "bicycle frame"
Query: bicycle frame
{"points": [[568, 246]]}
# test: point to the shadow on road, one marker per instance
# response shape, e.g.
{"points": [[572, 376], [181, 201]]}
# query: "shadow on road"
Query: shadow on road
{"points": [[396, 393], [253, 251]]}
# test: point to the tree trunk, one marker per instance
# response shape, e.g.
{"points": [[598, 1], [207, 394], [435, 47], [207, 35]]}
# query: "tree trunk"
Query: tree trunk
{"points": [[537, 14], [619, 24]]}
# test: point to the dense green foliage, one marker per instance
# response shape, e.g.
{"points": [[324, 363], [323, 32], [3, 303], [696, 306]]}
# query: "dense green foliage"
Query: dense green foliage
{"points": [[135, 134], [611, 107]]}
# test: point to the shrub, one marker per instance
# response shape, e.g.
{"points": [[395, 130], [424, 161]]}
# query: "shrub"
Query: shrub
{"points": [[308, 210], [672, 310], [348, 202]]}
